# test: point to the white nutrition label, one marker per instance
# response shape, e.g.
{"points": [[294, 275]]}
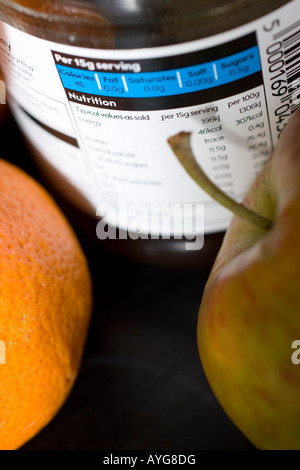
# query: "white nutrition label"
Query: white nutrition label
{"points": [[102, 117]]}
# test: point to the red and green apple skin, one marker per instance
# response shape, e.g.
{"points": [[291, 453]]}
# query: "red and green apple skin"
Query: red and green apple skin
{"points": [[250, 311]]}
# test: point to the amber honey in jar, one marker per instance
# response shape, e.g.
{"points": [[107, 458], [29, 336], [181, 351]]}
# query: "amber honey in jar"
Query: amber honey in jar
{"points": [[97, 88]]}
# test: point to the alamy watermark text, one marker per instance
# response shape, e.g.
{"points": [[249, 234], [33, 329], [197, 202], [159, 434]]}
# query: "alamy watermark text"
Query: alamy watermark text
{"points": [[152, 221]]}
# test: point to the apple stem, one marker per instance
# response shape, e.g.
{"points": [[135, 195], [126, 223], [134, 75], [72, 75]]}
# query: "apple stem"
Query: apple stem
{"points": [[181, 146]]}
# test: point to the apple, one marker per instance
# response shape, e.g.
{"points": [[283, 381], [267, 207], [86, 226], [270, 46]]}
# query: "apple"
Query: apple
{"points": [[249, 317], [4, 111]]}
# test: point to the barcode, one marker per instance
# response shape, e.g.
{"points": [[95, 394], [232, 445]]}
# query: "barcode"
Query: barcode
{"points": [[290, 38]]}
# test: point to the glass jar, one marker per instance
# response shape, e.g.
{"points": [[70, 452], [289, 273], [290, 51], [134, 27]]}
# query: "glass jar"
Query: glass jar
{"points": [[98, 86]]}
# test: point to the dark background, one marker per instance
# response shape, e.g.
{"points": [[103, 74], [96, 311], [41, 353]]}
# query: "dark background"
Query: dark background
{"points": [[141, 385]]}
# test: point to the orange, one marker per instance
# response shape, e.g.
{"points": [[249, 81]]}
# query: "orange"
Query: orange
{"points": [[45, 307]]}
